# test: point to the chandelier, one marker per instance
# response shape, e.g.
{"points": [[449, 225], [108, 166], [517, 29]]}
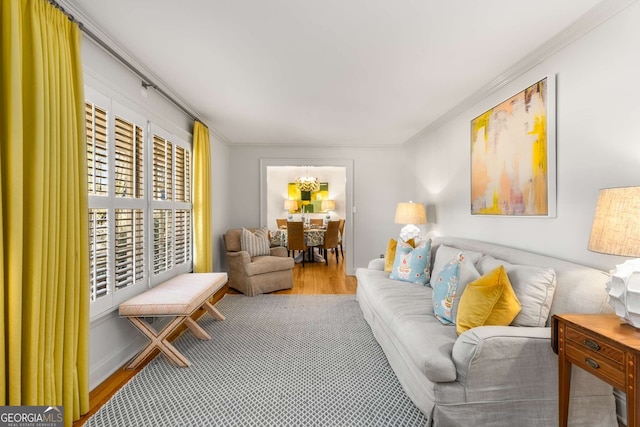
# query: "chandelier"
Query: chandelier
{"points": [[307, 183]]}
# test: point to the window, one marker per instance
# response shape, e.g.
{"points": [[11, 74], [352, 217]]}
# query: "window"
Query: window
{"points": [[139, 203]]}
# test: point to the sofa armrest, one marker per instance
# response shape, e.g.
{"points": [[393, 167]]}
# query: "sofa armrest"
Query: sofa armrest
{"points": [[279, 251], [376, 264], [492, 358]]}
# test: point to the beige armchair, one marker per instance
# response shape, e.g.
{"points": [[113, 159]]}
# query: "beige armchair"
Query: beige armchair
{"points": [[260, 274]]}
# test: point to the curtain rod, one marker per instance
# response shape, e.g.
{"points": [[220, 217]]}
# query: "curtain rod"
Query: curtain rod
{"points": [[146, 81]]}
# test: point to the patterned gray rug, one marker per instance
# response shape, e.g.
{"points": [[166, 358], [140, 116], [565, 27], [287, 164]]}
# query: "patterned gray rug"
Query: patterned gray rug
{"points": [[277, 360]]}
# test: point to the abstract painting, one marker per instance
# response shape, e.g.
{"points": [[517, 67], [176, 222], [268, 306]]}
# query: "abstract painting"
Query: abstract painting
{"points": [[308, 201], [513, 155]]}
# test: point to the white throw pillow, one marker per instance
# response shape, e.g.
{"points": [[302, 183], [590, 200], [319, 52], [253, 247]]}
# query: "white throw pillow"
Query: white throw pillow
{"points": [[256, 243], [534, 287]]}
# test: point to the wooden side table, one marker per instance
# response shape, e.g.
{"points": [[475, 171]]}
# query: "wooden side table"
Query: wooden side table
{"points": [[603, 345]]}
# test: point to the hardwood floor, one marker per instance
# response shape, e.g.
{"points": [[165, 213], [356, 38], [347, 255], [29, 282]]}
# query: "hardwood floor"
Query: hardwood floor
{"points": [[312, 279]]}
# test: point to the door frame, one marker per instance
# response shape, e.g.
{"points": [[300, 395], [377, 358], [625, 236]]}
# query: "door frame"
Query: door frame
{"points": [[349, 217]]}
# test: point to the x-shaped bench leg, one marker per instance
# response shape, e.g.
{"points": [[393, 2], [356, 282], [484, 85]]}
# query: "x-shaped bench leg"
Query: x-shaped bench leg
{"points": [[213, 311], [159, 341]]}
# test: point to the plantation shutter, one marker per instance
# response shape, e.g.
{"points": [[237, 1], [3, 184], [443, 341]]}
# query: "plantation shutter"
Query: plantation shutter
{"points": [[162, 169], [99, 251], [96, 128], [183, 167], [129, 173], [183, 236], [129, 247], [162, 240]]}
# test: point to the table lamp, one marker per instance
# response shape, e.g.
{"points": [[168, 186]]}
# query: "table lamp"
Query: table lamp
{"points": [[616, 231], [290, 205], [328, 206], [410, 214]]}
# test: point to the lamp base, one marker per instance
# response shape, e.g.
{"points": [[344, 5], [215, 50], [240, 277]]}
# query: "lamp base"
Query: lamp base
{"points": [[408, 232], [624, 291]]}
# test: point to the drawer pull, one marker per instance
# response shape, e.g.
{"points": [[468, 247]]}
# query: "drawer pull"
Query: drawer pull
{"points": [[591, 344], [591, 363]]}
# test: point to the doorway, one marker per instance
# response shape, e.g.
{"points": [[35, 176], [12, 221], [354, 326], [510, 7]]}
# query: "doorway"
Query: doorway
{"points": [[336, 175]]}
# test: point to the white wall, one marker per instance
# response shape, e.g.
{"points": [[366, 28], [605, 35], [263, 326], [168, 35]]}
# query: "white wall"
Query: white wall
{"points": [[379, 175], [598, 145], [221, 194]]}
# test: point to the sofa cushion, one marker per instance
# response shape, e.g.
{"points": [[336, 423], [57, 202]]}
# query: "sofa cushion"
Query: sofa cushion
{"points": [[256, 243], [489, 300], [412, 264], [444, 253], [534, 287], [447, 293], [406, 310], [390, 254]]}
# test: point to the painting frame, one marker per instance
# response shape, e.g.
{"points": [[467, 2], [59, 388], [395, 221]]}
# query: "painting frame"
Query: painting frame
{"points": [[513, 155], [308, 201]]}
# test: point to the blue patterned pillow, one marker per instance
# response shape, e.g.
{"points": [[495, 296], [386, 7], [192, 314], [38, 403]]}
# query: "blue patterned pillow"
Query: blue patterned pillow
{"points": [[445, 286], [412, 264]]}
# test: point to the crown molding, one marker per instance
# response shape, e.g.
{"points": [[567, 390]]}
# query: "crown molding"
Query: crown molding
{"points": [[587, 22], [314, 145]]}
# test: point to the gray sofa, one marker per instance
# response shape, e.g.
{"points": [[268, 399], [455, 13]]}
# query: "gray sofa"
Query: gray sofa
{"points": [[489, 375]]}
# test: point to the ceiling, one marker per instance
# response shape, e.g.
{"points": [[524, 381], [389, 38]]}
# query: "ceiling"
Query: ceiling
{"points": [[327, 72]]}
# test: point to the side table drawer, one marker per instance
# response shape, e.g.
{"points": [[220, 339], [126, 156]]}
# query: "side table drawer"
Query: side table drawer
{"points": [[595, 345], [596, 364]]}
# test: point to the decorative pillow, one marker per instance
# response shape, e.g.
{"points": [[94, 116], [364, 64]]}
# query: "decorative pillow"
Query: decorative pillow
{"points": [[412, 264], [534, 287], [256, 243], [447, 292], [489, 300], [390, 255], [445, 285], [446, 299]]}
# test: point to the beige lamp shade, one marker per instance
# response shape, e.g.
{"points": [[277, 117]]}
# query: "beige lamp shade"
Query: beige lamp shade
{"points": [[328, 205], [290, 205], [410, 213], [616, 224]]}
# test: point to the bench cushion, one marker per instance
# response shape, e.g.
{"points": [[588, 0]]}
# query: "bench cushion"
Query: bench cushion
{"points": [[179, 296]]}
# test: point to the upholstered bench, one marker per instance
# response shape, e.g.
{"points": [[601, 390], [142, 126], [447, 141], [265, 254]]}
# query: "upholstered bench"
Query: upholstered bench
{"points": [[179, 297]]}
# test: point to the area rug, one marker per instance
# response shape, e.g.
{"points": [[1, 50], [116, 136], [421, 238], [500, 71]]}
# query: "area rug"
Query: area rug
{"points": [[277, 360]]}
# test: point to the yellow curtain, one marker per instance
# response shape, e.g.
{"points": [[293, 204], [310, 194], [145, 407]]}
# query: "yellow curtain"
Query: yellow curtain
{"points": [[44, 266], [203, 252]]}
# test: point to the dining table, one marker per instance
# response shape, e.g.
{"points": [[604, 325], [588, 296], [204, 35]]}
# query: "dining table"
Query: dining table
{"points": [[313, 236]]}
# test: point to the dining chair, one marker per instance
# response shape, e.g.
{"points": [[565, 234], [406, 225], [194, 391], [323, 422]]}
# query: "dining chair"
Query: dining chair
{"points": [[316, 221], [330, 240], [281, 222], [295, 238], [341, 230]]}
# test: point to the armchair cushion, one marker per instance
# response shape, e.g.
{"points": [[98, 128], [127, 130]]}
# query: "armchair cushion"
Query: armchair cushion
{"points": [[256, 243], [267, 264]]}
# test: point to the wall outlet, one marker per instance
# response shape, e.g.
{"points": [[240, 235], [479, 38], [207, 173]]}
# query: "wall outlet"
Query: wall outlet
{"points": [[381, 255]]}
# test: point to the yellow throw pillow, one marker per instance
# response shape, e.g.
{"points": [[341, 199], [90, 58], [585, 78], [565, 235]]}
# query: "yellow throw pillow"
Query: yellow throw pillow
{"points": [[390, 255], [489, 300]]}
